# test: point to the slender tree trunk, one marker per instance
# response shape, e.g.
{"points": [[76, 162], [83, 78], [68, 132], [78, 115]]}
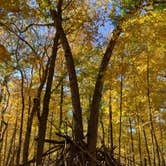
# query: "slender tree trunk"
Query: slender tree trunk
{"points": [[162, 143], [103, 131], [145, 162], [120, 116], [147, 148], [132, 142], [11, 147], [152, 131], [139, 142], [46, 101], [50, 137], [138, 123], [110, 125], [61, 106], [95, 105], [27, 138], [22, 119], [77, 110], [35, 110], [5, 148], [3, 124], [3, 129]]}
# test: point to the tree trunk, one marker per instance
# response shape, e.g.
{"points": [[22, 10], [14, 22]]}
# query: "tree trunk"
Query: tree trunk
{"points": [[120, 110], [11, 147], [50, 137], [139, 142], [110, 125], [35, 109], [5, 148], [152, 131], [77, 110], [147, 148], [46, 101], [132, 143], [22, 119], [95, 105], [61, 107], [162, 143]]}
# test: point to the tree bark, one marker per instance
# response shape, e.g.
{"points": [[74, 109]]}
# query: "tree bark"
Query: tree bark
{"points": [[120, 108], [61, 106], [139, 141], [50, 137], [22, 119], [146, 145], [77, 110], [95, 105], [11, 147], [46, 101], [152, 130], [35, 109], [111, 125]]}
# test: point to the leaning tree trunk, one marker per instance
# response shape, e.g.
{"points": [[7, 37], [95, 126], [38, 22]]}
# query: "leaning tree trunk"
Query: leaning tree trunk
{"points": [[94, 108], [46, 101], [95, 105], [77, 111]]}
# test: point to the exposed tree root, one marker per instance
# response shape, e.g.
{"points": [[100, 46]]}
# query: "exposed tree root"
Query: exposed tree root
{"points": [[69, 153]]}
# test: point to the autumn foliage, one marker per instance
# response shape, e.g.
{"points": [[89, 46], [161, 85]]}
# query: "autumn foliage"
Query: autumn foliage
{"points": [[82, 82]]}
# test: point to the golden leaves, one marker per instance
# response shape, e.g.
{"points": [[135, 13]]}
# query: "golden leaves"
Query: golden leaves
{"points": [[4, 54]]}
